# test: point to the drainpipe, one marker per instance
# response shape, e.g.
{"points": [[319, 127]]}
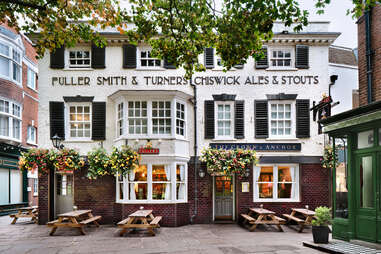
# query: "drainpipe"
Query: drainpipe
{"points": [[369, 53], [195, 147]]}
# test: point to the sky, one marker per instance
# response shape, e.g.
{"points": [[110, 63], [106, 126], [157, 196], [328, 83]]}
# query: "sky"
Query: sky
{"points": [[340, 22]]}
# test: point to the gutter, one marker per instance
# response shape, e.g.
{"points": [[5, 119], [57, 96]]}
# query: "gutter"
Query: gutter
{"points": [[369, 54], [195, 147]]}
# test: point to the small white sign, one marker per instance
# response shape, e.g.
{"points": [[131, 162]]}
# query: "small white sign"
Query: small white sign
{"points": [[245, 187]]}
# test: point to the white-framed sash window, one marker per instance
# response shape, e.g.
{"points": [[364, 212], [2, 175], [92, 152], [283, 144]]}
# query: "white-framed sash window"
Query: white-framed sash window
{"points": [[10, 63], [31, 79], [153, 183], [31, 134], [276, 183], [161, 117], [35, 187], [282, 119], [180, 119], [120, 119], [281, 57], [10, 120], [79, 118], [137, 117], [224, 119], [79, 58], [146, 60]]}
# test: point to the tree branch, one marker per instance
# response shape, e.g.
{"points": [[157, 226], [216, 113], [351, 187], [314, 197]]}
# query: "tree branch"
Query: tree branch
{"points": [[25, 4]]}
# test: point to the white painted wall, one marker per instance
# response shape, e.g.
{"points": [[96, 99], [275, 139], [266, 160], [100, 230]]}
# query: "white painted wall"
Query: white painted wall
{"points": [[249, 93], [342, 90]]}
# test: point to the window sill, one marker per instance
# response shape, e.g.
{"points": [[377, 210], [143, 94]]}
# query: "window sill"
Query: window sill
{"points": [[164, 202], [276, 200], [31, 143], [78, 141], [33, 89], [35, 194], [78, 69], [133, 139], [282, 139], [224, 139], [10, 139], [151, 69], [282, 69]]}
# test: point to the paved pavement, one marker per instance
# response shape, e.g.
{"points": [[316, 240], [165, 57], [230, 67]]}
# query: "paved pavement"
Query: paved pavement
{"points": [[24, 237]]}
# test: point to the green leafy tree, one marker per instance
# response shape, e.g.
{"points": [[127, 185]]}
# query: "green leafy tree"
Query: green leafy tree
{"points": [[177, 30]]}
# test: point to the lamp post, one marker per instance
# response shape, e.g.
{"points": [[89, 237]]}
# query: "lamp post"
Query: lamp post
{"points": [[56, 140]]}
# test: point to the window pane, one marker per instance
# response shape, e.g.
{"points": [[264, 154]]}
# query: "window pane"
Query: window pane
{"points": [[138, 191], [284, 190], [365, 139], [366, 181], [266, 174], [4, 186], [4, 126], [265, 190], [4, 66], [139, 173], [341, 209], [161, 191]]}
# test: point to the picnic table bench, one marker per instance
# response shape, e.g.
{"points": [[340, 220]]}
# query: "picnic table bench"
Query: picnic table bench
{"points": [[258, 216], [72, 219], [143, 219], [307, 216], [25, 212]]}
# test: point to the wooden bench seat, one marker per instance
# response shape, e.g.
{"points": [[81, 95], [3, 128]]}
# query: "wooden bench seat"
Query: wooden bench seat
{"points": [[52, 222], [124, 221], [155, 221], [298, 220], [281, 220], [91, 219], [248, 217]]}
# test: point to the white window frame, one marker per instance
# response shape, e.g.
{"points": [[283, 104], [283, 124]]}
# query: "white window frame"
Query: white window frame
{"points": [[275, 184], [122, 118], [79, 67], [31, 83], [170, 163], [11, 49], [232, 117], [185, 118], [128, 118], [292, 57], [11, 116], [293, 119], [29, 131], [35, 186], [164, 118], [67, 116], [140, 49]]}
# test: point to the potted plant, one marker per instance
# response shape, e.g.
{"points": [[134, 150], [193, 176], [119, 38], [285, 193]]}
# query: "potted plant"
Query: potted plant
{"points": [[320, 230]]}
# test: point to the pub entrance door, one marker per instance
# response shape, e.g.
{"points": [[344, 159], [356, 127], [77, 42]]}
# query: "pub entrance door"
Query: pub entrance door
{"points": [[223, 198], [64, 193]]}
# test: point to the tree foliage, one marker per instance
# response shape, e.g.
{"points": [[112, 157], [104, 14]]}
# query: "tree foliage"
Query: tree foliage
{"points": [[177, 30]]}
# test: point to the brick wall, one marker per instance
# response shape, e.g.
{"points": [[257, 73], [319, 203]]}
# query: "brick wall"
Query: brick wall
{"points": [[43, 199], [376, 46]]}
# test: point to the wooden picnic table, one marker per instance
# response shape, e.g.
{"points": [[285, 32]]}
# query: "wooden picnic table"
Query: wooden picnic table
{"points": [[258, 216], [25, 212], [72, 219], [302, 216], [142, 219]]}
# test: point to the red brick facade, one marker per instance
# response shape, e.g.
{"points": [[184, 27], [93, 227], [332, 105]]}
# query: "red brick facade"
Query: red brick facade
{"points": [[99, 195], [376, 62], [26, 97]]}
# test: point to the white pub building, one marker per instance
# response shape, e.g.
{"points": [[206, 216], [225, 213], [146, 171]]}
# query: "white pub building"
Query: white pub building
{"points": [[116, 95]]}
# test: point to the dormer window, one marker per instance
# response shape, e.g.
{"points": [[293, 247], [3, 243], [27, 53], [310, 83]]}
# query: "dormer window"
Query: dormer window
{"points": [[79, 59]]}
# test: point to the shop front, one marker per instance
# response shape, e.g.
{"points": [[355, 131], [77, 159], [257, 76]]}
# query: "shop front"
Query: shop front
{"points": [[356, 135]]}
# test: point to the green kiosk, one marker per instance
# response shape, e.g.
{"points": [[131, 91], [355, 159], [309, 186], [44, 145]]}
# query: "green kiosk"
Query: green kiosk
{"points": [[356, 136]]}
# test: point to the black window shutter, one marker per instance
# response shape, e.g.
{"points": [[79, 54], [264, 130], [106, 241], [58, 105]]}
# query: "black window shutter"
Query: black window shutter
{"points": [[57, 119], [129, 56], [99, 121], [209, 58], [98, 57], [168, 65], [302, 118], [263, 63], [57, 58], [261, 119], [302, 56], [209, 119], [239, 121]]}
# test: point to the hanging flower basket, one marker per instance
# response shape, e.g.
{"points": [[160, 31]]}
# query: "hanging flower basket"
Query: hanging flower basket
{"points": [[99, 163], [67, 161], [36, 159], [123, 159], [329, 159], [228, 162]]}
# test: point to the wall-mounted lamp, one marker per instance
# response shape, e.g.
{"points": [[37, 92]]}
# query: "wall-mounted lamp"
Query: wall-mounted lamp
{"points": [[201, 173], [159, 141], [136, 141], [56, 140]]}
